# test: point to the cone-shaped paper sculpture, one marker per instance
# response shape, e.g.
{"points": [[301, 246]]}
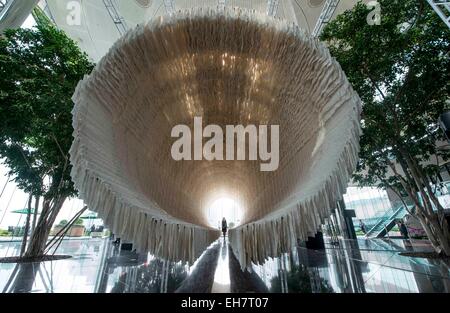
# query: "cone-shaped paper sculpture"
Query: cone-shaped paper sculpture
{"points": [[230, 68]]}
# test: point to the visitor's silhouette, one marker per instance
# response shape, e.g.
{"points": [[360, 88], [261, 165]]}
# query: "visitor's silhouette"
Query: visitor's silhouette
{"points": [[224, 227]]}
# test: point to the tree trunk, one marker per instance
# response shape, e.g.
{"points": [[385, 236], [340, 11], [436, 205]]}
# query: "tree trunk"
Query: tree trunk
{"points": [[24, 280], [36, 211], [438, 236], [442, 234], [40, 235], [433, 221], [27, 226]]}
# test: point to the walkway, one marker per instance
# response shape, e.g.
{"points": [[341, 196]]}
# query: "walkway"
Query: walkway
{"points": [[218, 271], [222, 275]]}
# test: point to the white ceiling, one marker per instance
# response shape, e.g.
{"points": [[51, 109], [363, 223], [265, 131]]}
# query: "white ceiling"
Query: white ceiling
{"points": [[98, 32]]}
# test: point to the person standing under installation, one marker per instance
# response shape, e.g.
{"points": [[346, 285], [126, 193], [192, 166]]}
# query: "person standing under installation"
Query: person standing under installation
{"points": [[224, 227]]}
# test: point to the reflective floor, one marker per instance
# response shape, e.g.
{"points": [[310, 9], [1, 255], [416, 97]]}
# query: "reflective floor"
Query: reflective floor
{"points": [[347, 266], [350, 266], [222, 276]]}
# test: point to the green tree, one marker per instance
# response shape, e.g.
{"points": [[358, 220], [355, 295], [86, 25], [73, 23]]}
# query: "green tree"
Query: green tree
{"points": [[39, 70], [63, 223], [401, 70]]}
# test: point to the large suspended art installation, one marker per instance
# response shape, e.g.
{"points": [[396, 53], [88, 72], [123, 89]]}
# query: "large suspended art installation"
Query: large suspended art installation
{"points": [[227, 67]]}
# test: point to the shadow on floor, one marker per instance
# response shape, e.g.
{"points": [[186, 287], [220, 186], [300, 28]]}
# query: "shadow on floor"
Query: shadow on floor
{"points": [[244, 281], [202, 278]]}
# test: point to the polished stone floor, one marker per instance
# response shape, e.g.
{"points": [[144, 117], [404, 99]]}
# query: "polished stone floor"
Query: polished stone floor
{"points": [[222, 281], [349, 266], [346, 266]]}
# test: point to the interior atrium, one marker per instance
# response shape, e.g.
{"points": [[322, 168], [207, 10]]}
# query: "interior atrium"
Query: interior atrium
{"points": [[224, 146]]}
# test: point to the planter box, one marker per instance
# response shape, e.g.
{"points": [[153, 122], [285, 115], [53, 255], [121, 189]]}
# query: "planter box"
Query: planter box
{"points": [[74, 231]]}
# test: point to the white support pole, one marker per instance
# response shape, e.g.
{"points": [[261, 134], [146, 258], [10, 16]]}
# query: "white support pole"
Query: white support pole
{"points": [[116, 17], [48, 11], [442, 8], [325, 17]]}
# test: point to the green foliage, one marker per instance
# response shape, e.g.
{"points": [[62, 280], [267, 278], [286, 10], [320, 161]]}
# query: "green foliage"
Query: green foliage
{"points": [[39, 70], [63, 223], [401, 70], [79, 222], [4, 233]]}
